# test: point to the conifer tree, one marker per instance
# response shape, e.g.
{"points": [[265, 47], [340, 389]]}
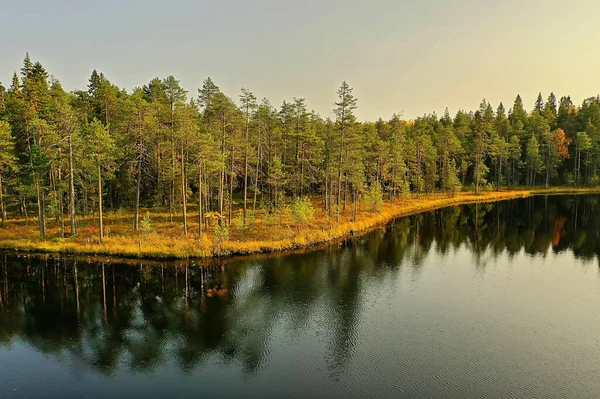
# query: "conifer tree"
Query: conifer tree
{"points": [[102, 145], [248, 101], [533, 159], [582, 144], [518, 113], [8, 161], [539, 104], [344, 111]]}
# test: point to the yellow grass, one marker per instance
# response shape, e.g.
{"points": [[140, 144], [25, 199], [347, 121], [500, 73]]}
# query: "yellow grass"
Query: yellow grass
{"points": [[266, 234]]}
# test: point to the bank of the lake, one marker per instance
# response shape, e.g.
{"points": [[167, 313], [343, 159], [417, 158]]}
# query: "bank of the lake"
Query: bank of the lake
{"points": [[265, 234]]}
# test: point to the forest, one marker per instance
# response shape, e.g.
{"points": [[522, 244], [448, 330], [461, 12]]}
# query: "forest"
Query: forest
{"points": [[215, 168]]}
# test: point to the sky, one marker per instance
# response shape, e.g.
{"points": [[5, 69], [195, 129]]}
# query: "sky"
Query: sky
{"points": [[408, 57]]}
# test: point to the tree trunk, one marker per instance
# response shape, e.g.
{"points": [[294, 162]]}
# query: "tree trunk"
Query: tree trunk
{"points": [[183, 190], [477, 175], [231, 188], [199, 199], [345, 190], [172, 196], [52, 179], [355, 200], [256, 179], [40, 205], [548, 168], [578, 168], [172, 183], [339, 188], [61, 206], [100, 221], [72, 190], [339, 192], [302, 172], [418, 173], [326, 199], [159, 198], [499, 174], [25, 212], [222, 174], [246, 168], [2, 209], [512, 172], [136, 220]]}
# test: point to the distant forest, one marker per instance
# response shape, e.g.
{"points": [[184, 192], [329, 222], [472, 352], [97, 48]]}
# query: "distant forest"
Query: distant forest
{"points": [[68, 154]]}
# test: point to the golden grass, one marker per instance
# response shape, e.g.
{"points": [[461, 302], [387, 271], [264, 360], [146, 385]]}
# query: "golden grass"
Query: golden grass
{"points": [[265, 235]]}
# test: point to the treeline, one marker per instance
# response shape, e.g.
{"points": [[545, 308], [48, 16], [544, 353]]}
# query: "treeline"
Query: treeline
{"points": [[69, 154]]}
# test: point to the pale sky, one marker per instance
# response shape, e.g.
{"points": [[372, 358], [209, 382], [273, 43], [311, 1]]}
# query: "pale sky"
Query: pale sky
{"points": [[413, 57]]}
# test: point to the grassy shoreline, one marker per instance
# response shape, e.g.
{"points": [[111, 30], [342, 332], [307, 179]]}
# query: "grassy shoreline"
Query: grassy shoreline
{"points": [[167, 242]]}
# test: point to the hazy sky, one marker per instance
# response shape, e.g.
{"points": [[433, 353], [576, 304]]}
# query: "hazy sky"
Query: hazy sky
{"points": [[412, 57]]}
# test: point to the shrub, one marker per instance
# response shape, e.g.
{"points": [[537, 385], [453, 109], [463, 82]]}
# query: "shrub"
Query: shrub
{"points": [[373, 198], [570, 179], [221, 234], [302, 211], [146, 223], [238, 223], [251, 218]]}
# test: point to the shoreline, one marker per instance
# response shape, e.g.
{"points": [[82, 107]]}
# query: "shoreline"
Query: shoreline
{"points": [[159, 247]]}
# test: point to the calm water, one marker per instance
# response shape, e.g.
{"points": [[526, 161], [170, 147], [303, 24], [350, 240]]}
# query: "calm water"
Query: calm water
{"points": [[493, 300]]}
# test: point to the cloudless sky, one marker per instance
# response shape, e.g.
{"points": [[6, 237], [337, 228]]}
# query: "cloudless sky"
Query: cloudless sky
{"points": [[412, 57]]}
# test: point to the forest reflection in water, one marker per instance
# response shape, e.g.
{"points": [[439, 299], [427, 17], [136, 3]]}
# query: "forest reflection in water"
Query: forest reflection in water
{"points": [[141, 316]]}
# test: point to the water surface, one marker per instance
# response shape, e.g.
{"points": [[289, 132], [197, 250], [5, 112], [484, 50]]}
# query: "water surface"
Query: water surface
{"points": [[493, 300]]}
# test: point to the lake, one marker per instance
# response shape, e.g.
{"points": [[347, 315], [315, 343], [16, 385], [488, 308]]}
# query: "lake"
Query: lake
{"points": [[491, 300]]}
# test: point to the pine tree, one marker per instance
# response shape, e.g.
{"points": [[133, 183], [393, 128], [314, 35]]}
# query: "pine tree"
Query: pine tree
{"points": [[27, 67], [277, 181], [533, 159], [518, 113], [344, 111], [2, 99], [206, 96], [102, 145], [582, 144], [551, 110], [396, 166], [483, 129], [451, 181], [249, 105], [514, 156], [8, 161], [539, 104]]}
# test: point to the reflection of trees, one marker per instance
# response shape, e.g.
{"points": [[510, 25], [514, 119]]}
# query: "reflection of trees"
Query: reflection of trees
{"points": [[109, 316], [535, 225]]}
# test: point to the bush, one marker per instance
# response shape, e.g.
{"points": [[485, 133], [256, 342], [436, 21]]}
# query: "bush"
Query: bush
{"points": [[302, 211], [373, 198], [570, 179], [146, 223], [221, 234], [238, 223], [251, 218]]}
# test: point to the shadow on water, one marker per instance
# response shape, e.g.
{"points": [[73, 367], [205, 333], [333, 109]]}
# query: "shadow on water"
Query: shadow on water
{"points": [[106, 317]]}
